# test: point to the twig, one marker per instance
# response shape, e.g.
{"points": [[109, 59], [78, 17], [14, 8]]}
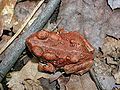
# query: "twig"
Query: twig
{"points": [[56, 76], [93, 76], [57, 24], [22, 27], [13, 52]]}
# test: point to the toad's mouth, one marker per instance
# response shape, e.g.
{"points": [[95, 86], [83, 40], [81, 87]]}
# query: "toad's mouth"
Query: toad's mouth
{"points": [[58, 63]]}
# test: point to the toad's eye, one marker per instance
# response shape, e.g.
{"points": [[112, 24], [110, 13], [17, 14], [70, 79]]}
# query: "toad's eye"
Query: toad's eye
{"points": [[42, 35], [37, 51]]}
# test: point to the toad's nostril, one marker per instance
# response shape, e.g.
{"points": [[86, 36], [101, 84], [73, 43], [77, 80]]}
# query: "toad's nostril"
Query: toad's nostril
{"points": [[42, 35], [37, 51]]}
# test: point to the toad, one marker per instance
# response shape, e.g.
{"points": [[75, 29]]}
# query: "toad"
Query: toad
{"points": [[68, 51]]}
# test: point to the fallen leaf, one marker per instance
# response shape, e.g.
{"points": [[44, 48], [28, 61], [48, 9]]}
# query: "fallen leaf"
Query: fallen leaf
{"points": [[22, 12], [4, 40], [111, 52], [107, 64], [2, 5], [110, 60], [83, 82], [117, 77], [114, 3], [32, 85], [47, 85], [7, 12], [1, 26], [1, 87], [63, 81], [27, 75], [110, 45]]}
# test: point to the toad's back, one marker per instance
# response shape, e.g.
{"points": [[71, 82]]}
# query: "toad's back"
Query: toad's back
{"points": [[63, 48]]}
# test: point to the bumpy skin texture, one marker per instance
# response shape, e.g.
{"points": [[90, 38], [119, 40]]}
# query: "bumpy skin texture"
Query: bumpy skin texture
{"points": [[61, 50]]}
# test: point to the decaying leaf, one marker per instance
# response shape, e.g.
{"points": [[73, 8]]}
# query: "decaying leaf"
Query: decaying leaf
{"points": [[83, 82], [111, 50], [22, 11], [114, 3], [7, 12], [47, 85], [4, 40], [110, 46], [1, 87], [27, 77], [1, 17], [117, 77], [108, 62], [1, 26]]}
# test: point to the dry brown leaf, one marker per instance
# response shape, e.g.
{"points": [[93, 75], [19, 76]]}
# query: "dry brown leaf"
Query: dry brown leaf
{"points": [[27, 77], [7, 12], [110, 45], [117, 77], [2, 5], [31, 85], [1, 26], [22, 12], [83, 82], [114, 3], [1, 87], [4, 40], [108, 63]]}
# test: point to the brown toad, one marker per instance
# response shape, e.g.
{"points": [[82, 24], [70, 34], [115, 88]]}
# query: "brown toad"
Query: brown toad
{"points": [[69, 51]]}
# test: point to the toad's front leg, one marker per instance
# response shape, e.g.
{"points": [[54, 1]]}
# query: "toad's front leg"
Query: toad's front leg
{"points": [[48, 67]]}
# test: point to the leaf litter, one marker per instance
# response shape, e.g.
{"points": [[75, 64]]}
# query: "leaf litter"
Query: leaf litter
{"points": [[7, 12], [6, 15], [107, 61], [92, 19], [27, 78]]}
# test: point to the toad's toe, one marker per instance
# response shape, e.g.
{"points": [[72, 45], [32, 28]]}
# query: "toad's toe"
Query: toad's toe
{"points": [[46, 67]]}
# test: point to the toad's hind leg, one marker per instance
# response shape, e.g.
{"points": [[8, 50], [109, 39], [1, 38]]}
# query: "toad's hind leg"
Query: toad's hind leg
{"points": [[78, 68], [81, 72]]}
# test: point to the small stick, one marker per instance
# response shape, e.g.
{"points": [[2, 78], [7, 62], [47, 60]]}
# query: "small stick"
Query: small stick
{"points": [[22, 27], [93, 76], [56, 76], [57, 24], [12, 53]]}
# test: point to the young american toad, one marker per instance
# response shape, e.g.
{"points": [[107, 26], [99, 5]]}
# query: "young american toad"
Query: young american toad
{"points": [[69, 51]]}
